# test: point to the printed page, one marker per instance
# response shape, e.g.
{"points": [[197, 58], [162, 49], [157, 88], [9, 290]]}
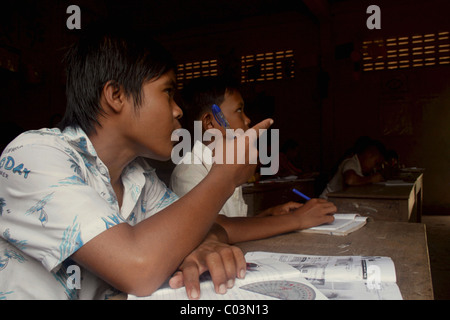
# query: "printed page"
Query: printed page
{"points": [[269, 280], [344, 277]]}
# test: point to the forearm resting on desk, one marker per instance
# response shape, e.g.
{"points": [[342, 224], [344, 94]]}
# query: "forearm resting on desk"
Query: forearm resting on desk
{"points": [[315, 212], [138, 259]]}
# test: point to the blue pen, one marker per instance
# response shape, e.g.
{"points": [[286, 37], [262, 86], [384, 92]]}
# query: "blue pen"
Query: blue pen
{"points": [[219, 116], [301, 194]]}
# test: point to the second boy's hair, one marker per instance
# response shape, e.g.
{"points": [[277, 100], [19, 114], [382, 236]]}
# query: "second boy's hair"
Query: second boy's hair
{"points": [[201, 93], [104, 53]]}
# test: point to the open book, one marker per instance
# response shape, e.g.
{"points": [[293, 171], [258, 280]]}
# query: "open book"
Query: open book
{"points": [[266, 279], [344, 277], [343, 224], [282, 276]]}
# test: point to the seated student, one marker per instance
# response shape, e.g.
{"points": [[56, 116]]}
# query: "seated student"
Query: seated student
{"points": [[81, 203], [358, 169], [198, 98]]}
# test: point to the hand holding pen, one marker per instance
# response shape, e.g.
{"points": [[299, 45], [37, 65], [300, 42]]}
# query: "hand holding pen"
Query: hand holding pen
{"points": [[315, 212]]}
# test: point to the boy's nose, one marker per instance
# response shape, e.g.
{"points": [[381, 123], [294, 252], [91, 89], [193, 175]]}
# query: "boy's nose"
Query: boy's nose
{"points": [[177, 112], [247, 122]]}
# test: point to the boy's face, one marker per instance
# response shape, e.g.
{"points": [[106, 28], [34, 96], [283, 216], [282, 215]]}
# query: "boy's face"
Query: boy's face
{"points": [[151, 126], [371, 160], [233, 110]]}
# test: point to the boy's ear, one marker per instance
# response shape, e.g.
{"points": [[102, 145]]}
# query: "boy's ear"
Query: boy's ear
{"points": [[207, 121], [114, 96]]}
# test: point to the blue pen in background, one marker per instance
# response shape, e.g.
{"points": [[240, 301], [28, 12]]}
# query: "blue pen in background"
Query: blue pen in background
{"points": [[219, 116], [301, 194]]}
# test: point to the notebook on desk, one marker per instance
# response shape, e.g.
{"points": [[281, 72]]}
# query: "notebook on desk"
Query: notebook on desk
{"points": [[343, 224]]}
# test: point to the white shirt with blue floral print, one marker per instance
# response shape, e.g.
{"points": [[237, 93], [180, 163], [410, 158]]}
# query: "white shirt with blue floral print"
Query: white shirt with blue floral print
{"points": [[55, 196]]}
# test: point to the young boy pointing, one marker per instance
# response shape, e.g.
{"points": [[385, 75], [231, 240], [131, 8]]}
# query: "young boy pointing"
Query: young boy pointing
{"points": [[198, 97], [80, 202]]}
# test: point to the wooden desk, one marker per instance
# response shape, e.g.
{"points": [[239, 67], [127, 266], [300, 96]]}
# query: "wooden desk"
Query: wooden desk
{"points": [[382, 202], [405, 243], [260, 196]]}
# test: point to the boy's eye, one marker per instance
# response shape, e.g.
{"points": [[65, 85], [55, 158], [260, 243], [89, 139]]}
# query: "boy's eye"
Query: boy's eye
{"points": [[170, 91]]}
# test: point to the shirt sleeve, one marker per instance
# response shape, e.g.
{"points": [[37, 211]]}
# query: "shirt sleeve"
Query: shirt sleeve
{"points": [[50, 208], [186, 176], [157, 195], [352, 164]]}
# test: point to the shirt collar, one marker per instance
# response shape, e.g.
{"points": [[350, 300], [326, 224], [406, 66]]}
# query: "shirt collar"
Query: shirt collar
{"points": [[133, 176], [79, 140]]}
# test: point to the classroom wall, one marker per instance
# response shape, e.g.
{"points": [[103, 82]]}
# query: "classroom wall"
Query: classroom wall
{"points": [[33, 95]]}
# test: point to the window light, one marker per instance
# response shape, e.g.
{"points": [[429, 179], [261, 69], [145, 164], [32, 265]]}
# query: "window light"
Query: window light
{"points": [[418, 50], [267, 66], [190, 70]]}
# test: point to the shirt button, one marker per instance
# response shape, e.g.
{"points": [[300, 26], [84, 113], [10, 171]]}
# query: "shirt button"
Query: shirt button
{"points": [[103, 170]]}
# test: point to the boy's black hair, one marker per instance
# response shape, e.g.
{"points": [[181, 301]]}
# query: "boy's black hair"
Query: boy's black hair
{"points": [[200, 94], [363, 144], [108, 52]]}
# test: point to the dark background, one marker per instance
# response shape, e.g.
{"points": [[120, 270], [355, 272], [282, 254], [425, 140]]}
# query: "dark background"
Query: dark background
{"points": [[328, 104]]}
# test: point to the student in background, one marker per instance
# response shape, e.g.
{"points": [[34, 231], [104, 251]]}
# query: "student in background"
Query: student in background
{"points": [[359, 169], [80, 202], [198, 98], [288, 154]]}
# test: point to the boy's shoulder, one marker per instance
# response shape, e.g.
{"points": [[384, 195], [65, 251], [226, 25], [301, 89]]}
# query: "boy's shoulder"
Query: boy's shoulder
{"points": [[350, 159], [44, 135], [52, 137], [351, 163], [30, 142]]}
